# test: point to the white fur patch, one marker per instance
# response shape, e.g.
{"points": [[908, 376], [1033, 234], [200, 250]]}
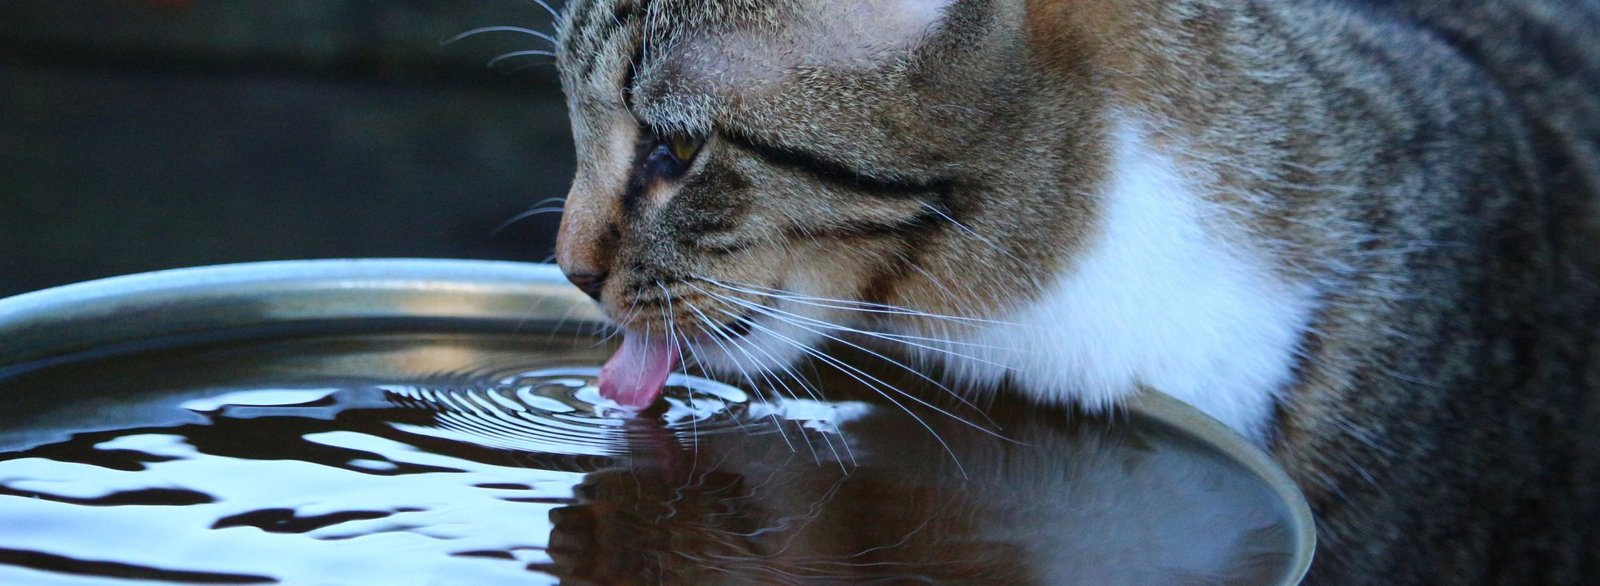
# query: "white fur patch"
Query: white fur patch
{"points": [[1160, 299]]}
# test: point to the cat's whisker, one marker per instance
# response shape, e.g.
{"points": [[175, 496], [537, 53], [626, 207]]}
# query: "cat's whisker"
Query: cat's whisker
{"points": [[500, 29], [603, 331], [560, 199], [554, 14], [948, 290], [767, 376], [799, 320], [523, 216], [893, 337], [628, 316], [906, 339], [852, 371], [713, 332], [848, 305], [899, 338], [516, 54], [963, 400], [791, 295], [556, 330], [700, 364], [667, 315], [973, 233], [788, 372], [879, 381]]}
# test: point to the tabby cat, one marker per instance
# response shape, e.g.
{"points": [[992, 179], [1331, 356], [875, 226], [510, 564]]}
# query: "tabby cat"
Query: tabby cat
{"points": [[1361, 233]]}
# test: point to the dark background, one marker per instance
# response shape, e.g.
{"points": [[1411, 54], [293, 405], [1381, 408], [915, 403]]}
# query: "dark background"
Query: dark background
{"points": [[138, 135]]}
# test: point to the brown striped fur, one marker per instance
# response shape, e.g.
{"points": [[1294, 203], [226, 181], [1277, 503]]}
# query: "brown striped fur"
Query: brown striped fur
{"points": [[1433, 166]]}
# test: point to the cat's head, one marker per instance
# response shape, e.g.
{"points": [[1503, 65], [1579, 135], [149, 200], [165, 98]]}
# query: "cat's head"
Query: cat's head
{"points": [[755, 174]]}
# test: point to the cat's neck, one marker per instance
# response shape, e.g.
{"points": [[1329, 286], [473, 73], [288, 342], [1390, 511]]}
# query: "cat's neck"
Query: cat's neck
{"points": [[1169, 287]]}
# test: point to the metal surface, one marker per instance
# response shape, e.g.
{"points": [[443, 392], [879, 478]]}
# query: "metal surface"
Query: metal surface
{"points": [[239, 300]]}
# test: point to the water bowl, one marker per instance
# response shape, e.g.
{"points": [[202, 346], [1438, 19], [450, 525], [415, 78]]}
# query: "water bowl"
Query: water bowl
{"points": [[437, 422]]}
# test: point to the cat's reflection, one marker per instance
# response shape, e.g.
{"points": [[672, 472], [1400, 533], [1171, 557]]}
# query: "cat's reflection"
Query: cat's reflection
{"points": [[1085, 503]]}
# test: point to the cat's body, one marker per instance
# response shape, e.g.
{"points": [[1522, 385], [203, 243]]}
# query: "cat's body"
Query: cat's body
{"points": [[1362, 233]]}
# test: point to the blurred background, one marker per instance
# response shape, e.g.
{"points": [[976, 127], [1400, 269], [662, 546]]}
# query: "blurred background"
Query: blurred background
{"points": [[138, 135]]}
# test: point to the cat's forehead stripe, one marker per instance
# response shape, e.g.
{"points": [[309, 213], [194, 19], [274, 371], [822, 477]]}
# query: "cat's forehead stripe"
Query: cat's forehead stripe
{"points": [[597, 34], [877, 182], [730, 39]]}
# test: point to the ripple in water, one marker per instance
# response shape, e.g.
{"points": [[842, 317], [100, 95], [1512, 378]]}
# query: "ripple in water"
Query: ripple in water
{"points": [[561, 410], [429, 459]]}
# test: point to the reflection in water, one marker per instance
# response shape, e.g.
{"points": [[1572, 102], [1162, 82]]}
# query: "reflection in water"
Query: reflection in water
{"points": [[336, 461]]}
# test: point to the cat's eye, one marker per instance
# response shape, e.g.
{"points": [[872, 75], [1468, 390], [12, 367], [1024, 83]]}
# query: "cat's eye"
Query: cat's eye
{"points": [[671, 154], [683, 147]]}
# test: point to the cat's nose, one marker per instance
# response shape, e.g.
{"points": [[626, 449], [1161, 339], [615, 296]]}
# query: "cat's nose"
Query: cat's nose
{"points": [[591, 283], [586, 246]]}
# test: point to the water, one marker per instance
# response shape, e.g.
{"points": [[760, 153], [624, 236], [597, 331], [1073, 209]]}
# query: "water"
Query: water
{"points": [[490, 459]]}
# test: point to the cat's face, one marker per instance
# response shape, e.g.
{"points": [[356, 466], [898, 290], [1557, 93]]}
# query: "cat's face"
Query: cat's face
{"points": [[750, 172]]}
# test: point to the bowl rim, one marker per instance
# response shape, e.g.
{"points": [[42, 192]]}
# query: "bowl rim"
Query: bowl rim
{"points": [[242, 300]]}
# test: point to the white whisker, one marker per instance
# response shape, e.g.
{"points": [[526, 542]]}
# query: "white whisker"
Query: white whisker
{"points": [[901, 338], [789, 373], [919, 374], [628, 316], [973, 233], [667, 315], [553, 13], [499, 29], [851, 371], [857, 306], [700, 363], [523, 216], [711, 328], [767, 376], [515, 54]]}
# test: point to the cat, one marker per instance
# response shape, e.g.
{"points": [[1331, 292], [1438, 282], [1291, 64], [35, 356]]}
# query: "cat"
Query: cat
{"points": [[1361, 233]]}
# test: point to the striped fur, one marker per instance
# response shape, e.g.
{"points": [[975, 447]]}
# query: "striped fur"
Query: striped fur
{"points": [[1409, 186]]}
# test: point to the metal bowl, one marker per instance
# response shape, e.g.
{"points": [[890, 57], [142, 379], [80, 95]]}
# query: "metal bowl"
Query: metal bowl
{"points": [[127, 316]]}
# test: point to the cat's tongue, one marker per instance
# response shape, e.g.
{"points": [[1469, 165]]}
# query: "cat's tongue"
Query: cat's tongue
{"points": [[637, 373]]}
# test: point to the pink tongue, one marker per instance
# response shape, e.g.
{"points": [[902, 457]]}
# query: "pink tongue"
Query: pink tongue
{"points": [[635, 376]]}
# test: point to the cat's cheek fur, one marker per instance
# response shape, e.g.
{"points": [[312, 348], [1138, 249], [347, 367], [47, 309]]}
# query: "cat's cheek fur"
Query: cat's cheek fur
{"points": [[1158, 299]]}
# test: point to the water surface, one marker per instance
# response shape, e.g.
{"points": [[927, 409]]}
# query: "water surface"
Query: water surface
{"points": [[465, 459]]}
